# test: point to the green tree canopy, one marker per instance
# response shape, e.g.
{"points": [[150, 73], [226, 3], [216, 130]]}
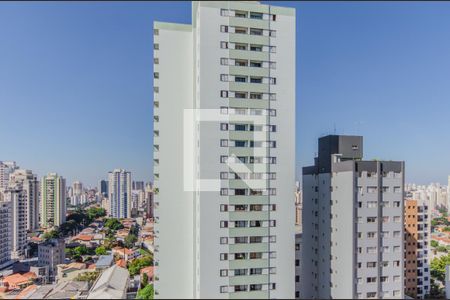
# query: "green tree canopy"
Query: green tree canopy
{"points": [[434, 243], [101, 250], [130, 240], [146, 293], [136, 265], [438, 267]]}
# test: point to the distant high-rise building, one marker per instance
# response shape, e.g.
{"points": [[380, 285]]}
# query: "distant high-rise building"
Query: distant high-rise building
{"points": [[53, 200], [77, 188], [26, 180], [352, 224], [6, 168], [417, 248], [16, 195], [149, 204], [103, 187], [138, 185], [224, 120], [119, 193]]}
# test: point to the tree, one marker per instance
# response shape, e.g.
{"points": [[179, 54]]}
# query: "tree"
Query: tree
{"points": [[113, 224], [434, 243], [80, 250], [130, 240], [146, 293], [441, 248], [144, 280], [137, 264], [100, 250], [52, 234], [95, 212], [438, 267]]}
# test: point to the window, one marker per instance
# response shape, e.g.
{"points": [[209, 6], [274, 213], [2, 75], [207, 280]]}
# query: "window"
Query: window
{"points": [[224, 61], [273, 80], [240, 78], [156, 89], [256, 95], [223, 240], [223, 273], [274, 17], [156, 61], [371, 219], [224, 12], [223, 77], [240, 14], [256, 48], [223, 28], [223, 192], [240, 95], [371, 294], [156, 75], [224, 143], [397, 189], [255, 271], [272, 33], [224, 94], [255, 15], [371, 189], [255, 287], [371, 279], [223, 126], [241, 240], [384, 279], [396, 278], [156, 46], [223, 207], [256, 31], [224, 289], [223, 159], [372, 204], [385, 219], [241, 62], [371, 249], [255, 239], [372, 264], [256, 79], [224, 45], [397, 219], [223, 224], [240, 30], [256, 64], [371, 235], [240, 46], [240, 288], [155, 31]]}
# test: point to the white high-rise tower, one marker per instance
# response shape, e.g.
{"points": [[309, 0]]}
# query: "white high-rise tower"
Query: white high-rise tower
{"points": [[53, 200], [26, 180], [224, 152], [119, 193]]}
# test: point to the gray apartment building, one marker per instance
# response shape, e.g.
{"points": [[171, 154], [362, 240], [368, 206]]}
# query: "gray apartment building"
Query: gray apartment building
{"points": [[352, 223]]}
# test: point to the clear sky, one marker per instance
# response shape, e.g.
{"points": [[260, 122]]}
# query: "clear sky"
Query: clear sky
{"points": [[76, 84]]}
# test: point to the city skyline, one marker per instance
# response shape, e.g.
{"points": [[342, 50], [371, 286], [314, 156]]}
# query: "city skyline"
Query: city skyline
{"points": [[86, 94]]}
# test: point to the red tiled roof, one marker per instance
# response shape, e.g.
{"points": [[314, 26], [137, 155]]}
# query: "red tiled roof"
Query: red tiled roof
{"points": [[121, 263], [148, 270], [26, 291], [15, 279], [84, 237]]}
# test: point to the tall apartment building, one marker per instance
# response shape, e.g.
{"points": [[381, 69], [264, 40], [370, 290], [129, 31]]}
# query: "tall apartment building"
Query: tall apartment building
{"points": [[103, 188], [298, 206], [298, 257], [352, 223], [5, 231], [119, 193], [51, 253], [224, 120], [417, 245], [53, 200], [26, 180], [16, 195], [6, 168]]}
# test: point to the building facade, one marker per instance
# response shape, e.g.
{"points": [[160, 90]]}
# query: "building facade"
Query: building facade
{"points": [[5, 232], [417, 247], [6, 168], [26, 180], [51, 253], [16, 195], [119, 193], [224, 88], [53, 200], [352, 224]]}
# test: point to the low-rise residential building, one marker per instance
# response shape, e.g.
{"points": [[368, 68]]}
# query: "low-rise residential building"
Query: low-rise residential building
{"points": [[68, 272], [51, 253], [104, 262], [125, 253], [111, 284], [148, 271]]}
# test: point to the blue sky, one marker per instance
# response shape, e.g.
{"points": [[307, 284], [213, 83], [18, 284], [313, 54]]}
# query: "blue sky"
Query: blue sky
{"points": [[76, 85]]}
